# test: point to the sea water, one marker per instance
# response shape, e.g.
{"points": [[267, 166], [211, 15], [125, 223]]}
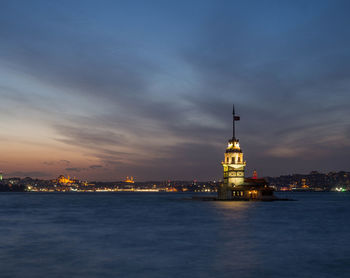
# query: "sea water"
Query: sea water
{"points": [[167, 235]]}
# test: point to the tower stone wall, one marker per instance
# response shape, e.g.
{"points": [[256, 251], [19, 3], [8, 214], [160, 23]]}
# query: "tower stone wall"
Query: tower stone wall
{"points": [[233, 169]]}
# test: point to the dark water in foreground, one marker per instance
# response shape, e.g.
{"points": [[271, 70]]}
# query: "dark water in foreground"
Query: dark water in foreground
{"points": [[162, 235]]}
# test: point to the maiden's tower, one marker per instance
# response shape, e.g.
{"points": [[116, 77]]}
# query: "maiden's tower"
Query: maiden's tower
{"points": [[235, 186]]}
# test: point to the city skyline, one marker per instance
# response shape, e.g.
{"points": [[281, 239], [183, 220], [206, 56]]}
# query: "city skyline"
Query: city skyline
{"points": [[106, 90]]}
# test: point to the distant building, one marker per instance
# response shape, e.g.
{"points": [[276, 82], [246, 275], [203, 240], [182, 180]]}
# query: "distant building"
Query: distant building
{"points": [[129, 180], [0, 176], [235, 186], [64, 180]]}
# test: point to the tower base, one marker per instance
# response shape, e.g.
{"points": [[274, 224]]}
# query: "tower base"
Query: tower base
{"points": [[252, 189]]}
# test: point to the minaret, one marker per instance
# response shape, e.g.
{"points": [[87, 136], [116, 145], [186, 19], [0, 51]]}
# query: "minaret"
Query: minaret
{"points": [[233, 165]]}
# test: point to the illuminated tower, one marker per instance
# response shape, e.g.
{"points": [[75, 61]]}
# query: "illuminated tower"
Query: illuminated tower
{"points": [[233, 165]]}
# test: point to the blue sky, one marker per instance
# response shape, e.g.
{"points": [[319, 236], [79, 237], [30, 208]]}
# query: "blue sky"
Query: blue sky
{"points": [[108, 89]]}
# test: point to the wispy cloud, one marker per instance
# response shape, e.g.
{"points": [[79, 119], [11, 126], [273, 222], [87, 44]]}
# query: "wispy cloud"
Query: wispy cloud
{"points": [[32, 174], [95, 166], [58, 162], [75, 169]]}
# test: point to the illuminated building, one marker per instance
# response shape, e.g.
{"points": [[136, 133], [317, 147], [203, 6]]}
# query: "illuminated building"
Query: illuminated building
{"points": [[255, 175], [235, 186], [129, 180], [303, 184], [0, 176], [63, 180]]}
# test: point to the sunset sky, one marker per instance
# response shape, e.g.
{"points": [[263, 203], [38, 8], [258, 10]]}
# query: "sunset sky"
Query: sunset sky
{"points": [[102, 90]]}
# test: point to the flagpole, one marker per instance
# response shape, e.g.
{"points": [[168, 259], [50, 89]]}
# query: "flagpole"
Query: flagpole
{"points": [[233, 123]]}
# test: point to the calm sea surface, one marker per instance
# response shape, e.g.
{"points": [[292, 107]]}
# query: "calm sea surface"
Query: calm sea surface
{"points": [[163, 235]]}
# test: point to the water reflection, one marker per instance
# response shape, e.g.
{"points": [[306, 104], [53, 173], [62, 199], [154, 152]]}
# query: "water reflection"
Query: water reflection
{"points": [[161, 235], [236, 253], [232, 209]]}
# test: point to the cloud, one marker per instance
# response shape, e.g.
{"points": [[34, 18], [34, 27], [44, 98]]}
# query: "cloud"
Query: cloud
{"points": [[59, 162], [75, 169], [95, 166], [32, 174], [86, 137]]}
